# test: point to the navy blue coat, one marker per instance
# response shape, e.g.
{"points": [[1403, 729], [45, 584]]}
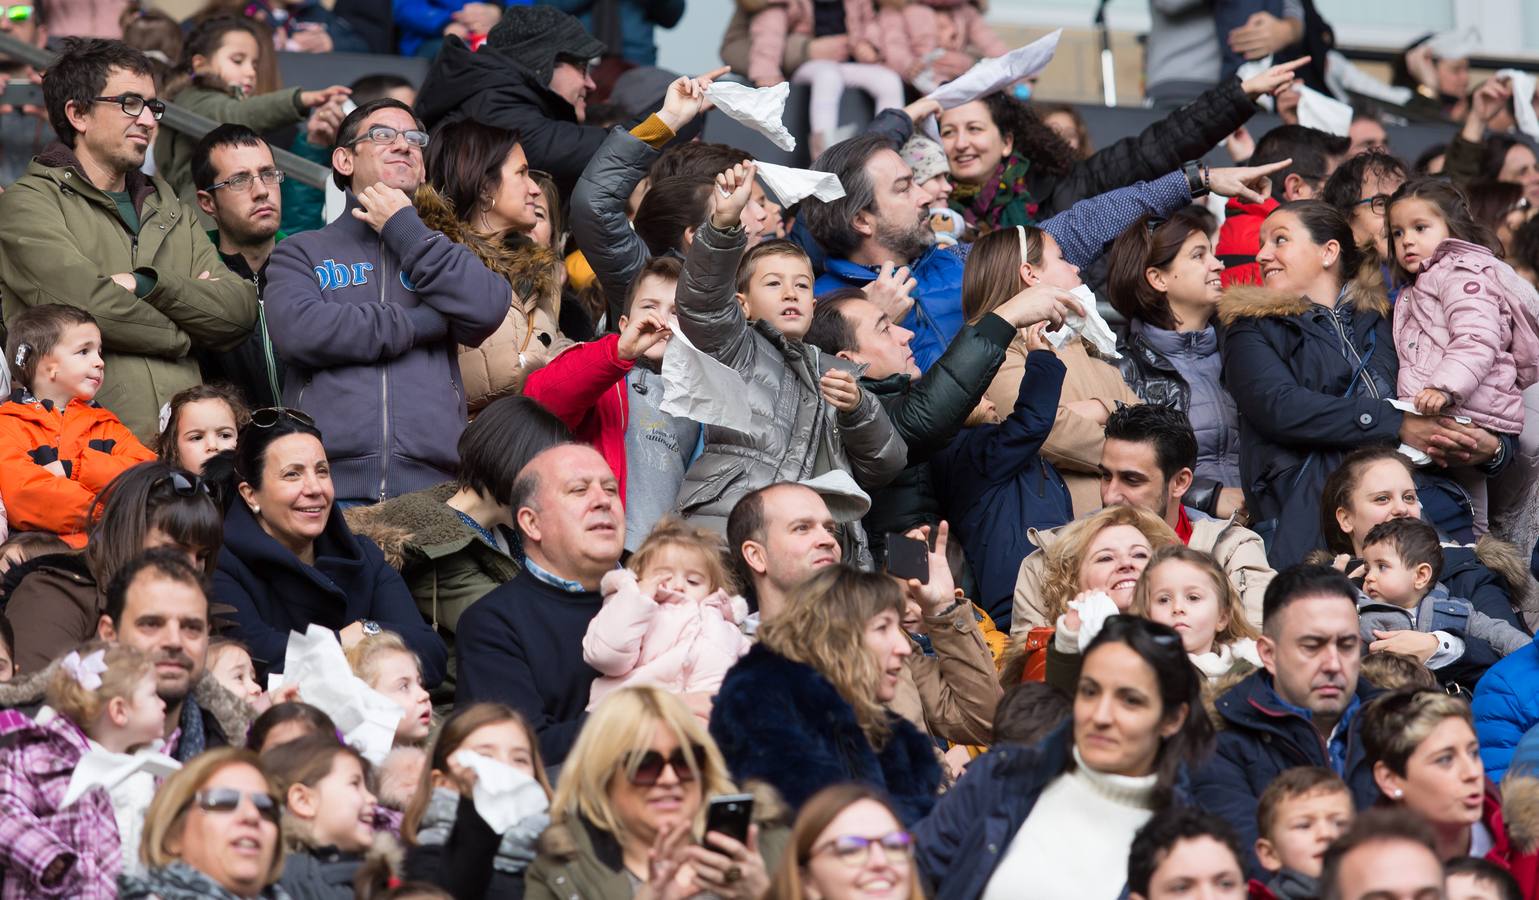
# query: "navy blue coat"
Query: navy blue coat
{"points": [[996, 485], [274, 593], [1257, 740], [783, 723], [1309, 389]]}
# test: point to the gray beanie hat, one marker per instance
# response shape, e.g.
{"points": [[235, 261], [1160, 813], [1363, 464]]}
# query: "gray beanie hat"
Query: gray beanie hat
{"points": [[536, 35], [925, 157]]}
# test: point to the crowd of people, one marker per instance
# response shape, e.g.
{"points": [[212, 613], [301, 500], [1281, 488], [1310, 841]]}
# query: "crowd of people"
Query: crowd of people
{"points": [[567, 513]]}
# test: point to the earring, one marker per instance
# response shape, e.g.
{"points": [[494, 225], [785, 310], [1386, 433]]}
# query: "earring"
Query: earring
{"points": [[256, 510], [1399, 793]]}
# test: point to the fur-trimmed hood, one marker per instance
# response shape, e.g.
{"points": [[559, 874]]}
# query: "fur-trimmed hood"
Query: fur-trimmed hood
{"points": [[419, 519], [1252, 302], [532, 270], [1520, 810]]}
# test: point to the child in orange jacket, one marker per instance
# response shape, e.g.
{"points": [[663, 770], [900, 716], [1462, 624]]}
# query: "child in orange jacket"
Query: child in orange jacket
{"points": [[58, 448]]}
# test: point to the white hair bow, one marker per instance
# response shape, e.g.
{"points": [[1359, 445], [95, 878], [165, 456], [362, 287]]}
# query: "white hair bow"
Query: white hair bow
{"points": [[88, 670]]}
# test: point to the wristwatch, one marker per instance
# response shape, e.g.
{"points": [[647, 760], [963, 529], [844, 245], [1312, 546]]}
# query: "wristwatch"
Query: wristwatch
{"points": [[370, 627], [1196, 178]]}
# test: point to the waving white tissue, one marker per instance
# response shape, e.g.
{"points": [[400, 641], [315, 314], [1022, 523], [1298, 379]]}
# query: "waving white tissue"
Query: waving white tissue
{"points": [[790, 186], [762, 109], [1094, 609], [1323, 112], [995, 73], [366, 718], [1090, 326], [696, 385], [1523, 101], [504, 796], [130, 782]]}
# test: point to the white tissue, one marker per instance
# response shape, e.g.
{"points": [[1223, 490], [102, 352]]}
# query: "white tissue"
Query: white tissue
{"points": [[1523, 101], [992, 74], [790, 186], [1455, 44], [762, 109], [1323, 112], [504, 795], [1091, 326], [366, 718], [105, 769], [1094, 610], [698, 386]]}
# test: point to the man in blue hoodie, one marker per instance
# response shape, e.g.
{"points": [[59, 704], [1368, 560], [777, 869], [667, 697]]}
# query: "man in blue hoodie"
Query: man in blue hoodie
{"points": [[367, 313]]}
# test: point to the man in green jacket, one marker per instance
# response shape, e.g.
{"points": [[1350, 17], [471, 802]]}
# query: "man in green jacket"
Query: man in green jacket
{"points": [[84, 227]]}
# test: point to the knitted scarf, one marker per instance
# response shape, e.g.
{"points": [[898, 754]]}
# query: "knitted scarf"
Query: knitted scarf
{"points": [[1001, 202], [179, 881]]}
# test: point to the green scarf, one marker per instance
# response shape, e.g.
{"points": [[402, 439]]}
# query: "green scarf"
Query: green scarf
{"points": [[1001, 202]]}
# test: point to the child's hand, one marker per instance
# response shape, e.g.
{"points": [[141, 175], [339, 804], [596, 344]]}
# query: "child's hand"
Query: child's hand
{"points": [[1036, 339], [321, 129], [1431, 401], [686, 99], [1412, 643], [641, 333], [840, 390], [312, 99], [866, 52], [733, 188]]}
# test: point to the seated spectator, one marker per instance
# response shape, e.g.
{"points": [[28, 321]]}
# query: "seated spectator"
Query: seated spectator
{"points": [[1426, 760], [290, 561], [592, 388], [1299, 814], [386, 664], [1383, 854], [456, 542], [480, 194], [1146, 462], [216, 77], [1182, 850], [833, 845], [211, 831], [59, 599], [299, 26], [1188, 590], [1302, 709], [1314, 156], [26, 135], [448, 843], [327, 809], [1479, 150], [759, 335], [238, 186], [1360, 189], [1515, 161], [1050, 812], [780, 535], [796, 714], [1472, 877], [103, 698], [201, 423], [521, 643], [348, 335], [229, 663], [290, 721], [58, 448], [117, 244], [1164, 279], [628, 803]]}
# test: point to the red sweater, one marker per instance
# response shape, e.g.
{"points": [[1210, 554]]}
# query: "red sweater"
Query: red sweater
{"points": [[584, 387], [1240, 238]]}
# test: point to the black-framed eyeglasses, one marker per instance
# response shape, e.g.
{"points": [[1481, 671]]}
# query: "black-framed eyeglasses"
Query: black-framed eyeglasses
{"points": [[243, 182], [384, 134], [227, 800], [268, 416], [18, 13], [1377, 204], [184, 484], [133, 105], [649, 769], [854, 851]]}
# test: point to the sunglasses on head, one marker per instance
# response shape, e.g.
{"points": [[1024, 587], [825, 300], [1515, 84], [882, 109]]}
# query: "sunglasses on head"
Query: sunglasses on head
{"points": [[268, 416], [648, 769], [184, 484], [19, 13], [227, 800]]}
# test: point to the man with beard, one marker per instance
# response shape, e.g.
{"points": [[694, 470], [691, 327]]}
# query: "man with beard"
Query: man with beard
{"points": [[1301, 709], [239, 189], [521, 644], [86, 228]]}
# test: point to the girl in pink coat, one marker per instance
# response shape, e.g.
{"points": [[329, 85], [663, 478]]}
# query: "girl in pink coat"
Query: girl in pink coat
{"points": [[669, 619], [1465, 325]]}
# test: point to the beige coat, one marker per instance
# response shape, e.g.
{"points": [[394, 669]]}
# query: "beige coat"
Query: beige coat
{"points": [[1074, 446], [1238, 549], [952, 694]]}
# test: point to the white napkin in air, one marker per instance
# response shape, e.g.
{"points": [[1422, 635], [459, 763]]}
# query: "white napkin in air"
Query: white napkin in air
{"points": [[990, 75], [1523, 101], [762, 109], [1323, 112], [698, 386], [1090, 326], [790, 186], [504, 795], [366, 718]]}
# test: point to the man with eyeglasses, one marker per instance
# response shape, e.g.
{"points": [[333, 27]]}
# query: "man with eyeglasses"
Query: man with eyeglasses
{"points": [[85, 227], [23, 126], [1360, 189], [239, 188], [368, 313]]}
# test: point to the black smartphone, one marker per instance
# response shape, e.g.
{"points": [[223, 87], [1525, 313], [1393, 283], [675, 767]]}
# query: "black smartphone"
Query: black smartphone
{"points": [[908, 558], [21, 92], [730, 814]]}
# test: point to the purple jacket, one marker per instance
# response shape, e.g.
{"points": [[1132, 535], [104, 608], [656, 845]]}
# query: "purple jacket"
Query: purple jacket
{"points": [[35, 768], [1467, 327]]}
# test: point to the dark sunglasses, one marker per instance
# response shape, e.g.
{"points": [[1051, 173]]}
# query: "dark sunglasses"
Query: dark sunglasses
{"points": [[268, 416], [184, 485], [649, 769], [227, 800]]}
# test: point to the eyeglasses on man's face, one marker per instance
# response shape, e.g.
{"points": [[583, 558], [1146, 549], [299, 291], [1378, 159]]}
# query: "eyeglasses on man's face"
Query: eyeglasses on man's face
{"points": [[243, 182], [384, 134], [134, 105]]}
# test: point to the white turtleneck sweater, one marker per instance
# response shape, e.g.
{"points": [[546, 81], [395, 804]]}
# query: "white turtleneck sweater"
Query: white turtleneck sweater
{"points": [[1074, 844]]}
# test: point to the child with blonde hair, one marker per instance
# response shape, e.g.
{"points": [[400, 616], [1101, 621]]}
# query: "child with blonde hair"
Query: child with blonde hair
{"points": [[102, 700], [387, 665], [1189, 591], [671, 618]]}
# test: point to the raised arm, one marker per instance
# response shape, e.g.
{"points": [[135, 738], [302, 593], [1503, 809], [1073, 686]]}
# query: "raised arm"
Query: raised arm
{"points": [[706, 303]]}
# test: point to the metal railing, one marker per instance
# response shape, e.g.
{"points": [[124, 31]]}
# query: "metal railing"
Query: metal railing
{"points": [[178, 119]]}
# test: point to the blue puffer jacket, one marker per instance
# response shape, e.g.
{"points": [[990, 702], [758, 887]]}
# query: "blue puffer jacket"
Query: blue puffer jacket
{"points": [[1259, 737], [1506, 706]]}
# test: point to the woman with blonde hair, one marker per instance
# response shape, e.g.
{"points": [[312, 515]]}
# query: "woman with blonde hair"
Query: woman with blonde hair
{"points": [[201, 830], [1189, 591], [805, 708], [847, 842], [630, 805]]}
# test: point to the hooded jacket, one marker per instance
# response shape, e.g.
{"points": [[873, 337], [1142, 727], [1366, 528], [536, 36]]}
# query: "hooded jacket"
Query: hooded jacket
{"points": [[529, 335], [1239, 239], [368, 324], [1486, 639], [1311, 384], [806, 436], [1506, 707], [87, 440], [1466, 326], [274, 593], [63, 240]]}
